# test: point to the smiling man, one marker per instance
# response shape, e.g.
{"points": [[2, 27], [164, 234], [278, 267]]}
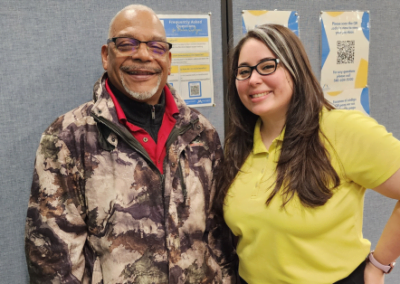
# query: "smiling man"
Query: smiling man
{"points": [[137, 57], [123, 185]]}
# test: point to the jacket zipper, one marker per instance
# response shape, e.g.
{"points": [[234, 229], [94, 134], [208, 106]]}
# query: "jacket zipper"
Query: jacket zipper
{"points": [[131, 141], [171, 138]]}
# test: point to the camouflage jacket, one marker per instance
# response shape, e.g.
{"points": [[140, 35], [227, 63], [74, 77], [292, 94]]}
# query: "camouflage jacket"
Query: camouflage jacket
{"points": [[101, 212]]}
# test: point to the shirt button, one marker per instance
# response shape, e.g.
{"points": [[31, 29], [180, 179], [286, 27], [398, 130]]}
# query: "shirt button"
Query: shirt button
{"points": [[113, 139], [173, 164], [145, 139]]}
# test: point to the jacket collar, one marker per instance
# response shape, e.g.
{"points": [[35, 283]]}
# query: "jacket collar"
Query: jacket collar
{"points": [[104, 106]]}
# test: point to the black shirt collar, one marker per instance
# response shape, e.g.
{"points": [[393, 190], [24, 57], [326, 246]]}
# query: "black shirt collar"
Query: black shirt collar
{"points": [[143, 115], [139, 113]]}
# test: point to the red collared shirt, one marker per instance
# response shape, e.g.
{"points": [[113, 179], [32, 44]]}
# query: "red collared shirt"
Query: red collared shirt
{"points": [[156, 151]]}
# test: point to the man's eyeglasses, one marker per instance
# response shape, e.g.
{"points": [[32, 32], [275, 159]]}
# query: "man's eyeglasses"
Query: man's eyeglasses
{"points": [[127, 46], [265, 67]]}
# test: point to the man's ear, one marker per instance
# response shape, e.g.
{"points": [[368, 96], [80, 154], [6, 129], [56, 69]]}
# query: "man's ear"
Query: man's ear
{"points": [[104, 56]]}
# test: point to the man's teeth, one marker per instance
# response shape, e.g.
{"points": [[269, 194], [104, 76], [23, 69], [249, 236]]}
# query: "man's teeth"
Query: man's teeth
{"points": [[259, 95], [140, 73]]}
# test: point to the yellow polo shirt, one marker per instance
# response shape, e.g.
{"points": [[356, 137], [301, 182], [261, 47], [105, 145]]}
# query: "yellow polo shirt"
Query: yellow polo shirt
{"points": [[309, 245]]}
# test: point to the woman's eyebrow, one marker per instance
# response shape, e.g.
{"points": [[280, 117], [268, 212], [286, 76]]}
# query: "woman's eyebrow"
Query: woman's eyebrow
{"points": [[261, 60]]}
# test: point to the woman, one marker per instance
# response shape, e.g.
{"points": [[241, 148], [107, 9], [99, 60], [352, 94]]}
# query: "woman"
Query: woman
{"points": [[296, 170]]}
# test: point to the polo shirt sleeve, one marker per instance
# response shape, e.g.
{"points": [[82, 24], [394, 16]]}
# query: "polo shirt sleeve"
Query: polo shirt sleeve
{"points": [[369, 155]]}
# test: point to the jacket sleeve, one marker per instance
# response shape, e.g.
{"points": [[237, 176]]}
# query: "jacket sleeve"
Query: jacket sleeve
{"points": [[220, 237], [55, 231]]}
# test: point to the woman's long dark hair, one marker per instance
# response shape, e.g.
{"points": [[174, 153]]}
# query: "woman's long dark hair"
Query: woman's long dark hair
{"points": [[304, 166]]}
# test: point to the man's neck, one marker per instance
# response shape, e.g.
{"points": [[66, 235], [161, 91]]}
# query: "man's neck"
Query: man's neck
{"points": [[141, 114]]}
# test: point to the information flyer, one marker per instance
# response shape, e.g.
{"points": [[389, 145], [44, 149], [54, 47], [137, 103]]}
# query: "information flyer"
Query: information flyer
{"points": [[344, 62], [350, 99], [191, 70], [253, 18]]}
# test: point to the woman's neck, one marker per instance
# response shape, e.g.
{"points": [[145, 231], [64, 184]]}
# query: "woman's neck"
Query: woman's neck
{"points": [[270, 129]]}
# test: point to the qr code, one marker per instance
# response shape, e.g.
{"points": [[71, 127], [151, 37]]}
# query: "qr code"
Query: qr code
{"points": [[195, 90], [345, 51]]}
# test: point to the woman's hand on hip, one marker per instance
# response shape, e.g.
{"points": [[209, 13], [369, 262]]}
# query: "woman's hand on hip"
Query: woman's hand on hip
{"points": [[373, 275]]}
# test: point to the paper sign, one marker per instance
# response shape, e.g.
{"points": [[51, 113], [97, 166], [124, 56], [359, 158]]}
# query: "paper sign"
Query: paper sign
{"points": [[253, 18], [344, 61], [191, 70]]}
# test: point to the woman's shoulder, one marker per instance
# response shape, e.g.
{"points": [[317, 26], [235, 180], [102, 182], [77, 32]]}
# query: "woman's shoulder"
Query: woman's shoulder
{"points": [[351, 126], [336, 116], [346, 120], [368, 153]]}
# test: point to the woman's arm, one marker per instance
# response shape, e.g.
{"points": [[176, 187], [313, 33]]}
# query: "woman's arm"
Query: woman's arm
{"points": [[388, 247]]}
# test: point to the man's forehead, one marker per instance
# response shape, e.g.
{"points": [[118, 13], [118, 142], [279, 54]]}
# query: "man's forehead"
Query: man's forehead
{"points": [[131, 19]]}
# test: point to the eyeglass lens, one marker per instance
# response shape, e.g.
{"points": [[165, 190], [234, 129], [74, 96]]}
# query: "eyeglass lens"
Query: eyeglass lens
{"points": [[128, 46], [263, 68]]}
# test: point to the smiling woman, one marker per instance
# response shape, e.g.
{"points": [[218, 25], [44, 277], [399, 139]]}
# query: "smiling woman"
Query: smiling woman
{"points": [[265, 94], [296, 170]]}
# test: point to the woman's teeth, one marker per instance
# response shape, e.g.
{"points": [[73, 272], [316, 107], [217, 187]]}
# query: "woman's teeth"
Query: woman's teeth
{"points": [[259, 95]]}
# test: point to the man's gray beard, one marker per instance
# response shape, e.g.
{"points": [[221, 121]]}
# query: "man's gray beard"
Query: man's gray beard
{"points": [[141, 96]]}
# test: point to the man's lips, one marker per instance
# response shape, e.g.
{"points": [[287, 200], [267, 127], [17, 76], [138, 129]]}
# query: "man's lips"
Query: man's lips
{"points": [[140, 72], [136, 70]]}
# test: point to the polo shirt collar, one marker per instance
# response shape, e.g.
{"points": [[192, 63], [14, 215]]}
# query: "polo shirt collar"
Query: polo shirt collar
{"points": [[258, 144]]}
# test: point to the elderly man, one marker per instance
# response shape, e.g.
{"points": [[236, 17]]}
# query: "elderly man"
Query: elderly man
{"points": [[123, 185]]}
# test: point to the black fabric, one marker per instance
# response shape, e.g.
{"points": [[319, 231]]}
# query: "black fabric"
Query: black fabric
{"points": [[242, 281], [140, 114], [356, 277]]}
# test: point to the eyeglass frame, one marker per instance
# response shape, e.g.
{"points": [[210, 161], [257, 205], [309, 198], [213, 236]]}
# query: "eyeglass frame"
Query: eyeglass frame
{"points": [[276, 60], [114, 39]]}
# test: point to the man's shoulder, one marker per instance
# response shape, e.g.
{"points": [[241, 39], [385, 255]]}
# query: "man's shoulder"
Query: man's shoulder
{"points": [[188, 113], [209, 134], [203, 120], [74, 118]]}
